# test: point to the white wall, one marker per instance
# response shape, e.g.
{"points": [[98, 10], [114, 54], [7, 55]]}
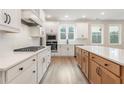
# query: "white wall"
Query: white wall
{"points": [[10, 41]]}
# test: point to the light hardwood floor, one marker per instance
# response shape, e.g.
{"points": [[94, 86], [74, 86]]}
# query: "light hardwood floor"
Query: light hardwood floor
{"points": [[64, 70]]}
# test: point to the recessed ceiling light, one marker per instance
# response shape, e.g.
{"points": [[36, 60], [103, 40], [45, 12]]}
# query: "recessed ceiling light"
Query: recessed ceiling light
{"points": [[83, 16], [66, 16], [102, 13], [48, 16]]}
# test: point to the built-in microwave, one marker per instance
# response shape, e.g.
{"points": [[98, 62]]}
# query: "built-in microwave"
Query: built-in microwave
{"points": [[51, 37]]}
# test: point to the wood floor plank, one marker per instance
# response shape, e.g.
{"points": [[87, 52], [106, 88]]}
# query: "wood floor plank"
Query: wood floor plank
{"points": [[64, 70]]}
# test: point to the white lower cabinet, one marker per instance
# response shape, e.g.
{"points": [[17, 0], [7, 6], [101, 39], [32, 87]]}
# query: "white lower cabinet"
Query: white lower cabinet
{"points": [[25, 72], [65, 50], [44, 60], [27, 77], [29, 71]]}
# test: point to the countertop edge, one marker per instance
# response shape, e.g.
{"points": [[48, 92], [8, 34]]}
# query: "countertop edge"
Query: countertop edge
{"points": [[7, 68], [114, 61]]}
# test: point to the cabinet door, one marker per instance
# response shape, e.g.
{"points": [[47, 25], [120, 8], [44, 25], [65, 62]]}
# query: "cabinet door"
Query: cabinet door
{"points": [[80, 58], [59, 50], [48, 58], [108, 78], [86, 65], [93, 73], [70, 50], [44, 65], [83, 62], [27, 77], [40, 67], [82, 30], [63, 50], [14, 18], [10, 20]]}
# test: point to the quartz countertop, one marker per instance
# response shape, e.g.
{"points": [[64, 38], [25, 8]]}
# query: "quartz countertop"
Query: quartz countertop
{"points": [[11, 59], [113, 54]]}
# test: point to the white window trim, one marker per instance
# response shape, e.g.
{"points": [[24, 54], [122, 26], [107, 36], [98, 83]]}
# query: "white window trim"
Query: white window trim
{"points": [[120, 41], [66, 26], [102, 25]]}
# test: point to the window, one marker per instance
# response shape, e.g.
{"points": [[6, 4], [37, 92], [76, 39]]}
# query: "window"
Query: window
{"points": [[97, 34], [63, 33], [67, 31], [70, 32], [115, 34]]}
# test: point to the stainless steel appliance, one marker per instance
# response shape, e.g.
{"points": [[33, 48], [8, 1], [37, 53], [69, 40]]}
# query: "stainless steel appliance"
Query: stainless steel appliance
{"points": [[53, 45], [52, 41], [41, 41], [51, 37], [29, 49]]}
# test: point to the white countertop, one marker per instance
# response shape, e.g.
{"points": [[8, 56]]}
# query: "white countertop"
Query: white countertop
{"points": [[72, 44], [11, 59], [112, 54]]}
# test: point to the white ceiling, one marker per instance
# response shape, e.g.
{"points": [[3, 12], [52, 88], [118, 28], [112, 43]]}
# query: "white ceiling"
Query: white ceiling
{"points": [[91, 14]]}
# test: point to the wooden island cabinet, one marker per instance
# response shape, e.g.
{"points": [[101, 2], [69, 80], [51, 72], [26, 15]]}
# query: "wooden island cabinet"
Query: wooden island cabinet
{"points": [[99, 70]]}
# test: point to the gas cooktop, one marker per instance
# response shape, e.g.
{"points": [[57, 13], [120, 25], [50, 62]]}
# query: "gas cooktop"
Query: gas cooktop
{"points": [[29, 49]]}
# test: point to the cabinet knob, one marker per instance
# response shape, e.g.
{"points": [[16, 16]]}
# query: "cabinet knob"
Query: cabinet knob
{"points": [[21, 68], [105, 64], [93, 57], [34, 71], [34, 60]]}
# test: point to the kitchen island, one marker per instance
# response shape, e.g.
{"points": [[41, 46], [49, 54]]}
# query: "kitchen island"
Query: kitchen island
{"points": [[102, 65]]}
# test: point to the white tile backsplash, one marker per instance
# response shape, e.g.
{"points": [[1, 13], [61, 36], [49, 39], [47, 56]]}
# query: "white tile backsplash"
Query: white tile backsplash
{"points": [[10, 41]]}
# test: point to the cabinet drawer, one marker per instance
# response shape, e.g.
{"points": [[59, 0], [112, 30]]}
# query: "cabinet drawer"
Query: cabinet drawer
{"points": [[18, 69], [114, 68]]}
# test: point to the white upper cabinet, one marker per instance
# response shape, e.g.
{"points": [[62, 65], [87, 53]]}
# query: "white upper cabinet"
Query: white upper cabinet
{"points": [[51, 27], [10, 20], [82, 30]]}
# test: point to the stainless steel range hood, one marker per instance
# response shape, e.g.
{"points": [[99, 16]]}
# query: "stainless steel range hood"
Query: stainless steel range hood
{"points": [[30, 18]]}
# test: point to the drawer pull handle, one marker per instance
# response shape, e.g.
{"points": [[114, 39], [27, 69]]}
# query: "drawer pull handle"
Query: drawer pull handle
{"points": [[93, 57], [21, 68], [105, 64], [33, 59], [99, 71]]}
